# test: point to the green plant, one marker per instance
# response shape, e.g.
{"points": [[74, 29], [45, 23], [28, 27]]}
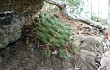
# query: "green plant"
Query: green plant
{"points": [[52, 32], [62, 53], [74, 50], [46, 53]]}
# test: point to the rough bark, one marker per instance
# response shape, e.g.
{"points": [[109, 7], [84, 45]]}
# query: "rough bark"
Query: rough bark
{"points": [[63, 7]]}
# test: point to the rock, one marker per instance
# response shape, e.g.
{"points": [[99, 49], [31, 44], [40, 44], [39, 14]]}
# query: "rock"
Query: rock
{"points": [[10, 32], [89, 44], [87, 60], [105, 61], [13, 15], [82, 37], [67, 66], [44, 68]]}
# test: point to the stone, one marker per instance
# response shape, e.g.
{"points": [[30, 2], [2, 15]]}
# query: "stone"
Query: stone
{"points": [[89, 44], [44, 68], [87, 60], [105, 61], [10, 32], [13, 15]]}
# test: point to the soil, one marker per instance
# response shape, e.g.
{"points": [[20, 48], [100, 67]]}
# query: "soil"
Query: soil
{"points": [[25, 54]]}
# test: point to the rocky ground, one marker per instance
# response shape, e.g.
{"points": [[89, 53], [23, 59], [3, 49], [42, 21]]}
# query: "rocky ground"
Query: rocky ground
{"points": [[25, 54], [91, 39]]}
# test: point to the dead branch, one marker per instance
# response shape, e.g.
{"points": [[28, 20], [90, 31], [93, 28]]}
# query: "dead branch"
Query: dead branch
{"points": [[63, 7], [91, 23]]}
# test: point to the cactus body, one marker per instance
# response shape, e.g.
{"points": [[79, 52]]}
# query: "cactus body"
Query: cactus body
{"points": [[51, 30]]}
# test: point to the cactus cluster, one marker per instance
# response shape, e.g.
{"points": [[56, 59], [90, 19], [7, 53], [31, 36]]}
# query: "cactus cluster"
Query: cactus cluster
{"points": [[51, 31]]}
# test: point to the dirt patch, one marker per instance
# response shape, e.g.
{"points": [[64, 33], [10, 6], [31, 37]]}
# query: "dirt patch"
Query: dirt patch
{"points": [[25, 54]]}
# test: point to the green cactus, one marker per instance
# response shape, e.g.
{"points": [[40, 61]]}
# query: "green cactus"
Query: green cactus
{"points": [[51, 31]]}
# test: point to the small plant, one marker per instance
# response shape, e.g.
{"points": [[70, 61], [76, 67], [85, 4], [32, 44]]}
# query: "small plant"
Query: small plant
{"points": [[46, 53], [62, 53], [74, 50]]}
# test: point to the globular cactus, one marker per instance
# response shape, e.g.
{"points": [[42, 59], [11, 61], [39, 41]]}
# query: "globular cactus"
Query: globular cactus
{"points": [[51, 31]]}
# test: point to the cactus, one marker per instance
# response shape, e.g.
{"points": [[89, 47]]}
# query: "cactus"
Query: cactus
{"points": [[51, 31]]}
